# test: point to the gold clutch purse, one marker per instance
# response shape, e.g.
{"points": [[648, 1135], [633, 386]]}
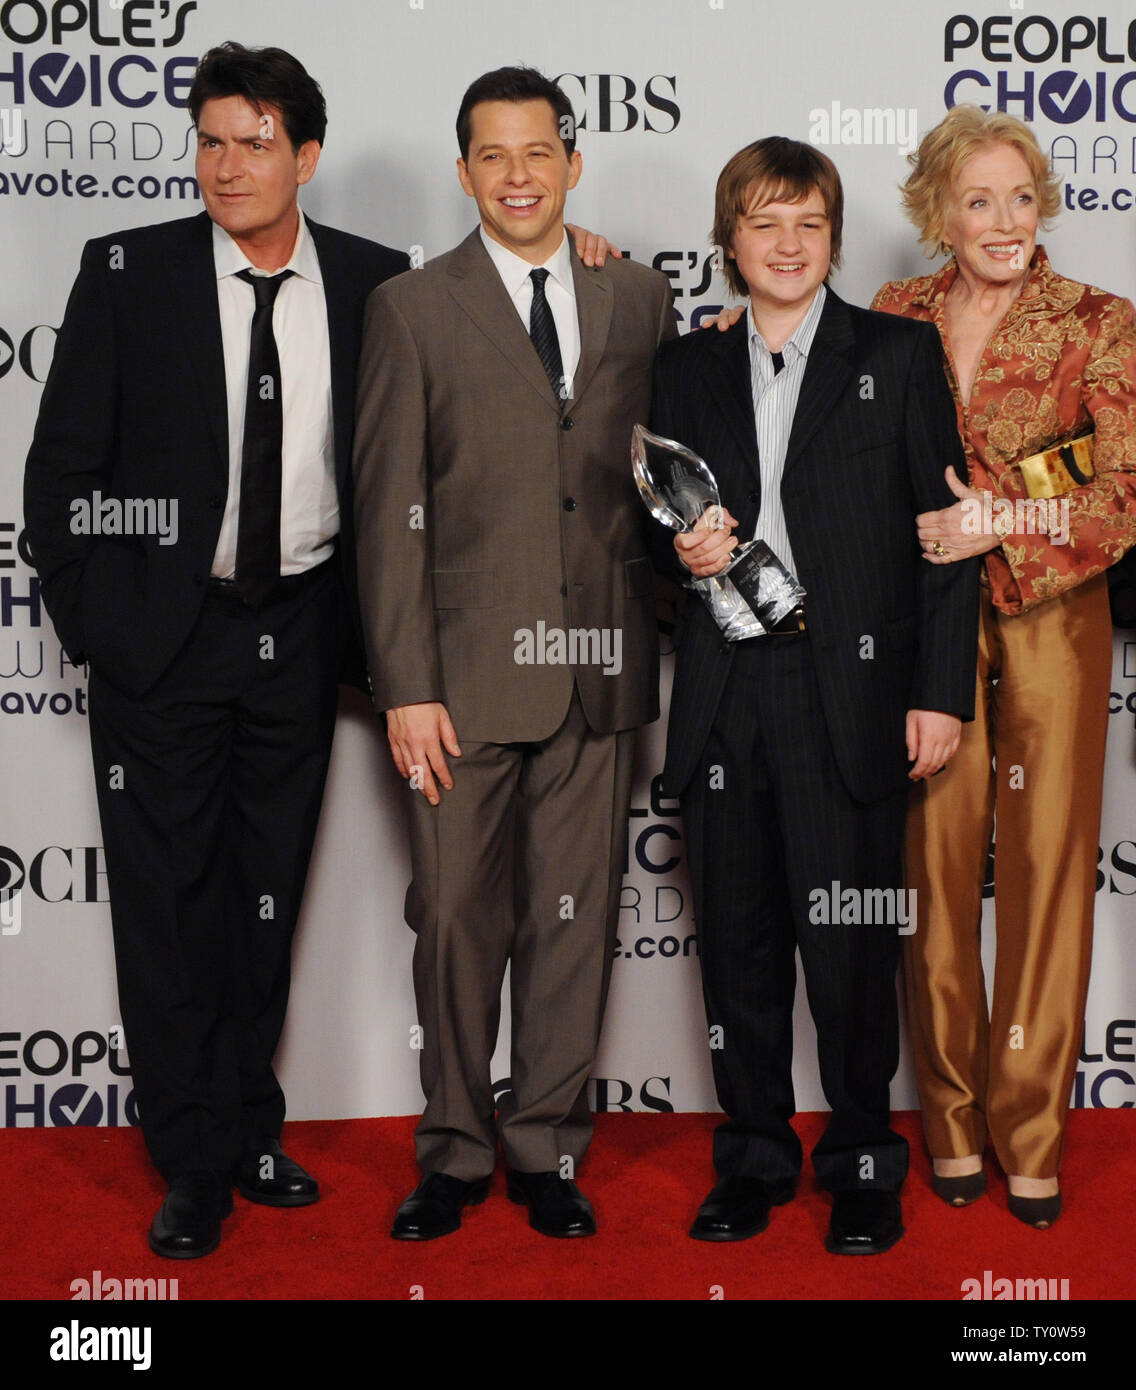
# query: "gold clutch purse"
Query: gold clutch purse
{"points": [[1058, 469]]}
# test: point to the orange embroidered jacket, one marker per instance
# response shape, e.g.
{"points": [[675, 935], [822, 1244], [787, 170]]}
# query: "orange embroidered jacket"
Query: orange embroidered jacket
{"points": [[1062, 362]]}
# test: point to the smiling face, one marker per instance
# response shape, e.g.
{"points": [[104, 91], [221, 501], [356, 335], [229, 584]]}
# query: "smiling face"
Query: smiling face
{"points": [[783, 252], [249, 174], [520, 174], [992, 217]]}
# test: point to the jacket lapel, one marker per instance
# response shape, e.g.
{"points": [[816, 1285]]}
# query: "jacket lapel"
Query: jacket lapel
{"points": [[480, 293], [193, 284], [827, 373], [340, 329], [594, 304], [728, 381]]}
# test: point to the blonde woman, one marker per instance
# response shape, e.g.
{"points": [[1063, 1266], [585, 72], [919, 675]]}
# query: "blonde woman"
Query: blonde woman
{"points": [[1034, 361]]}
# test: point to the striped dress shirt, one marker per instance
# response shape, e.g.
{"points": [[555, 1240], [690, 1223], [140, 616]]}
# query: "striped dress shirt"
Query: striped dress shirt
{"points": [[774, 405]]}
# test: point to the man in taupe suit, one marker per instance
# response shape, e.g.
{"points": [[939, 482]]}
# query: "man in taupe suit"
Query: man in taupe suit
{"points": [[507, 600]]}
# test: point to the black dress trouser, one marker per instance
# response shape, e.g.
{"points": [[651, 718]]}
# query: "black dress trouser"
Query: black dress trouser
{"points": [[768, 820], [209, 788]]}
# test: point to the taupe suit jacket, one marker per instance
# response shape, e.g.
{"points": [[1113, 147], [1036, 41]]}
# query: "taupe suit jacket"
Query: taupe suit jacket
{"points": [[484, 507]]}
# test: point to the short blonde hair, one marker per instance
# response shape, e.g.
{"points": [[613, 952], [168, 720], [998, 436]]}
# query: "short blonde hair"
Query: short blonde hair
{"points": [[963, 131]]}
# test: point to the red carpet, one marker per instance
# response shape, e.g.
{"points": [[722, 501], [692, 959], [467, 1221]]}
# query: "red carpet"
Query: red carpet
{"points": [[80, 1199]]}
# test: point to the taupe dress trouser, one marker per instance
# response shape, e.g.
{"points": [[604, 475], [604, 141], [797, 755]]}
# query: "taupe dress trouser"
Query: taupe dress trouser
{"points": [[523, 861], [1041, 714]]}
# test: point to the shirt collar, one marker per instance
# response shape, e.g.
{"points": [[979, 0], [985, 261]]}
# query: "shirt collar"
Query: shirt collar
{"points": [[228, 258], [515, 270], [803, 335]]}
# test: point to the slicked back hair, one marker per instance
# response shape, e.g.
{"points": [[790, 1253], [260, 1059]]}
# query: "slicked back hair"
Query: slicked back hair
{"points": [[516, 84], [264, 77]]}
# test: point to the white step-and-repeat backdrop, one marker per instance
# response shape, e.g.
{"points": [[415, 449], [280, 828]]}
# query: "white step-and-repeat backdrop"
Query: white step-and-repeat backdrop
{"points": [[94, 137]]}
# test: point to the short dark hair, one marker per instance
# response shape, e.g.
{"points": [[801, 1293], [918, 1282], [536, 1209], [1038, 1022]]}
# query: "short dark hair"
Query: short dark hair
{"points": [[264, 77], [774, 170], [516, 84]]}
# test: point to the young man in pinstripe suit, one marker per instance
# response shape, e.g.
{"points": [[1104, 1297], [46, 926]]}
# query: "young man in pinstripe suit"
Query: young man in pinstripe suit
{"points": [[829, 429]]}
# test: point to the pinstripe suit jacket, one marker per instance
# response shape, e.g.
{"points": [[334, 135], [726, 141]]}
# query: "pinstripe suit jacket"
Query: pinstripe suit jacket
{"points": [[873, 432]]}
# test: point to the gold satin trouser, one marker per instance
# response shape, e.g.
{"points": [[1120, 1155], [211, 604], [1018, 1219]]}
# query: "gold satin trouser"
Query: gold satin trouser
{"points": [[1041, 712]]}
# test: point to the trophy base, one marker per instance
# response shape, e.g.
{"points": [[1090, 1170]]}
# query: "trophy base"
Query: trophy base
{"points": [[752, 594]]}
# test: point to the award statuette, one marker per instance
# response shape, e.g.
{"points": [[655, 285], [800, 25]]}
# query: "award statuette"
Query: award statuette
{"points": [[755, 590]]}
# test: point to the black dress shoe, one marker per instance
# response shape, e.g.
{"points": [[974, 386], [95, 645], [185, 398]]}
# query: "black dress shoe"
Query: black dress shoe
{"points": [[556, 1205], [188, 1223], [264, 1173], [434, 1208], [864, 1223], [738, 1207], [1038, 1212]]}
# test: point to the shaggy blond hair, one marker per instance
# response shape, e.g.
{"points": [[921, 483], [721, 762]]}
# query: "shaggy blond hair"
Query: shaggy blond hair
{"points": [[774, 170], [963, 131]]}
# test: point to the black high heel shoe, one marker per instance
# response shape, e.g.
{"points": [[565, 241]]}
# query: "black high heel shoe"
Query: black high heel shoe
{"points": [[1038, 1212], [960, 1192]]}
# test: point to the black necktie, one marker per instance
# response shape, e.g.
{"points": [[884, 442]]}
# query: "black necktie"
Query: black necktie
{"points": [[258, 520], [542, 330], [778, 362]]}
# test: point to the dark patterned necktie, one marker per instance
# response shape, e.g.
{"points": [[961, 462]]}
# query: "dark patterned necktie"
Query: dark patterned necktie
{"points": [[258, 520], [542, 330]]}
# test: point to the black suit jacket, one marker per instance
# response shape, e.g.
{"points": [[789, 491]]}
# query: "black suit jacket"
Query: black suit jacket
{"points": [[135, 407], [873, 433]]}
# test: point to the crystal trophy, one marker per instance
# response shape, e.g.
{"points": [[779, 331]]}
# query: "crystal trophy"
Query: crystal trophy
{"points": [[755, 590]]}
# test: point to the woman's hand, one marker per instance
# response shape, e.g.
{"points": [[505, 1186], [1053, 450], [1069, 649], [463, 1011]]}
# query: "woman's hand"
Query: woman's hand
{"points": [[956, 532]]}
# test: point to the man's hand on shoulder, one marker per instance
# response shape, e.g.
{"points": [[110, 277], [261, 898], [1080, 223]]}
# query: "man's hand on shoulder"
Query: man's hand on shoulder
{"points": [[418, 734], [591, 247], [726, 319], [932, 741]]}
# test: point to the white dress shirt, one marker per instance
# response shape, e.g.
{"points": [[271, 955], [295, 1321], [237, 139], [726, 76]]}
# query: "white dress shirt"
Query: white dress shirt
{"points": [[774, 405], [559, 290], [309, 503]]}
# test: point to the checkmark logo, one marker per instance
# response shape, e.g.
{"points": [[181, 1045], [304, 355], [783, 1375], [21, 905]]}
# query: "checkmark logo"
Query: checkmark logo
{"points": [[57, 80], [75, 1104], [1063, 102]]}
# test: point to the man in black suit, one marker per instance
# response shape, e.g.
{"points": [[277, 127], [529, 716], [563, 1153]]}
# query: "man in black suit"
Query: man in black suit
{"points": [[188, 500], [828, 429]]}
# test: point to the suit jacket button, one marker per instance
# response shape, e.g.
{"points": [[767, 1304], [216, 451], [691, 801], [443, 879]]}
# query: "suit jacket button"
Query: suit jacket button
{"points": [[216, 502], [199, 579], [569, 504], [564, 591], [755, 497], [567, 423]]}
